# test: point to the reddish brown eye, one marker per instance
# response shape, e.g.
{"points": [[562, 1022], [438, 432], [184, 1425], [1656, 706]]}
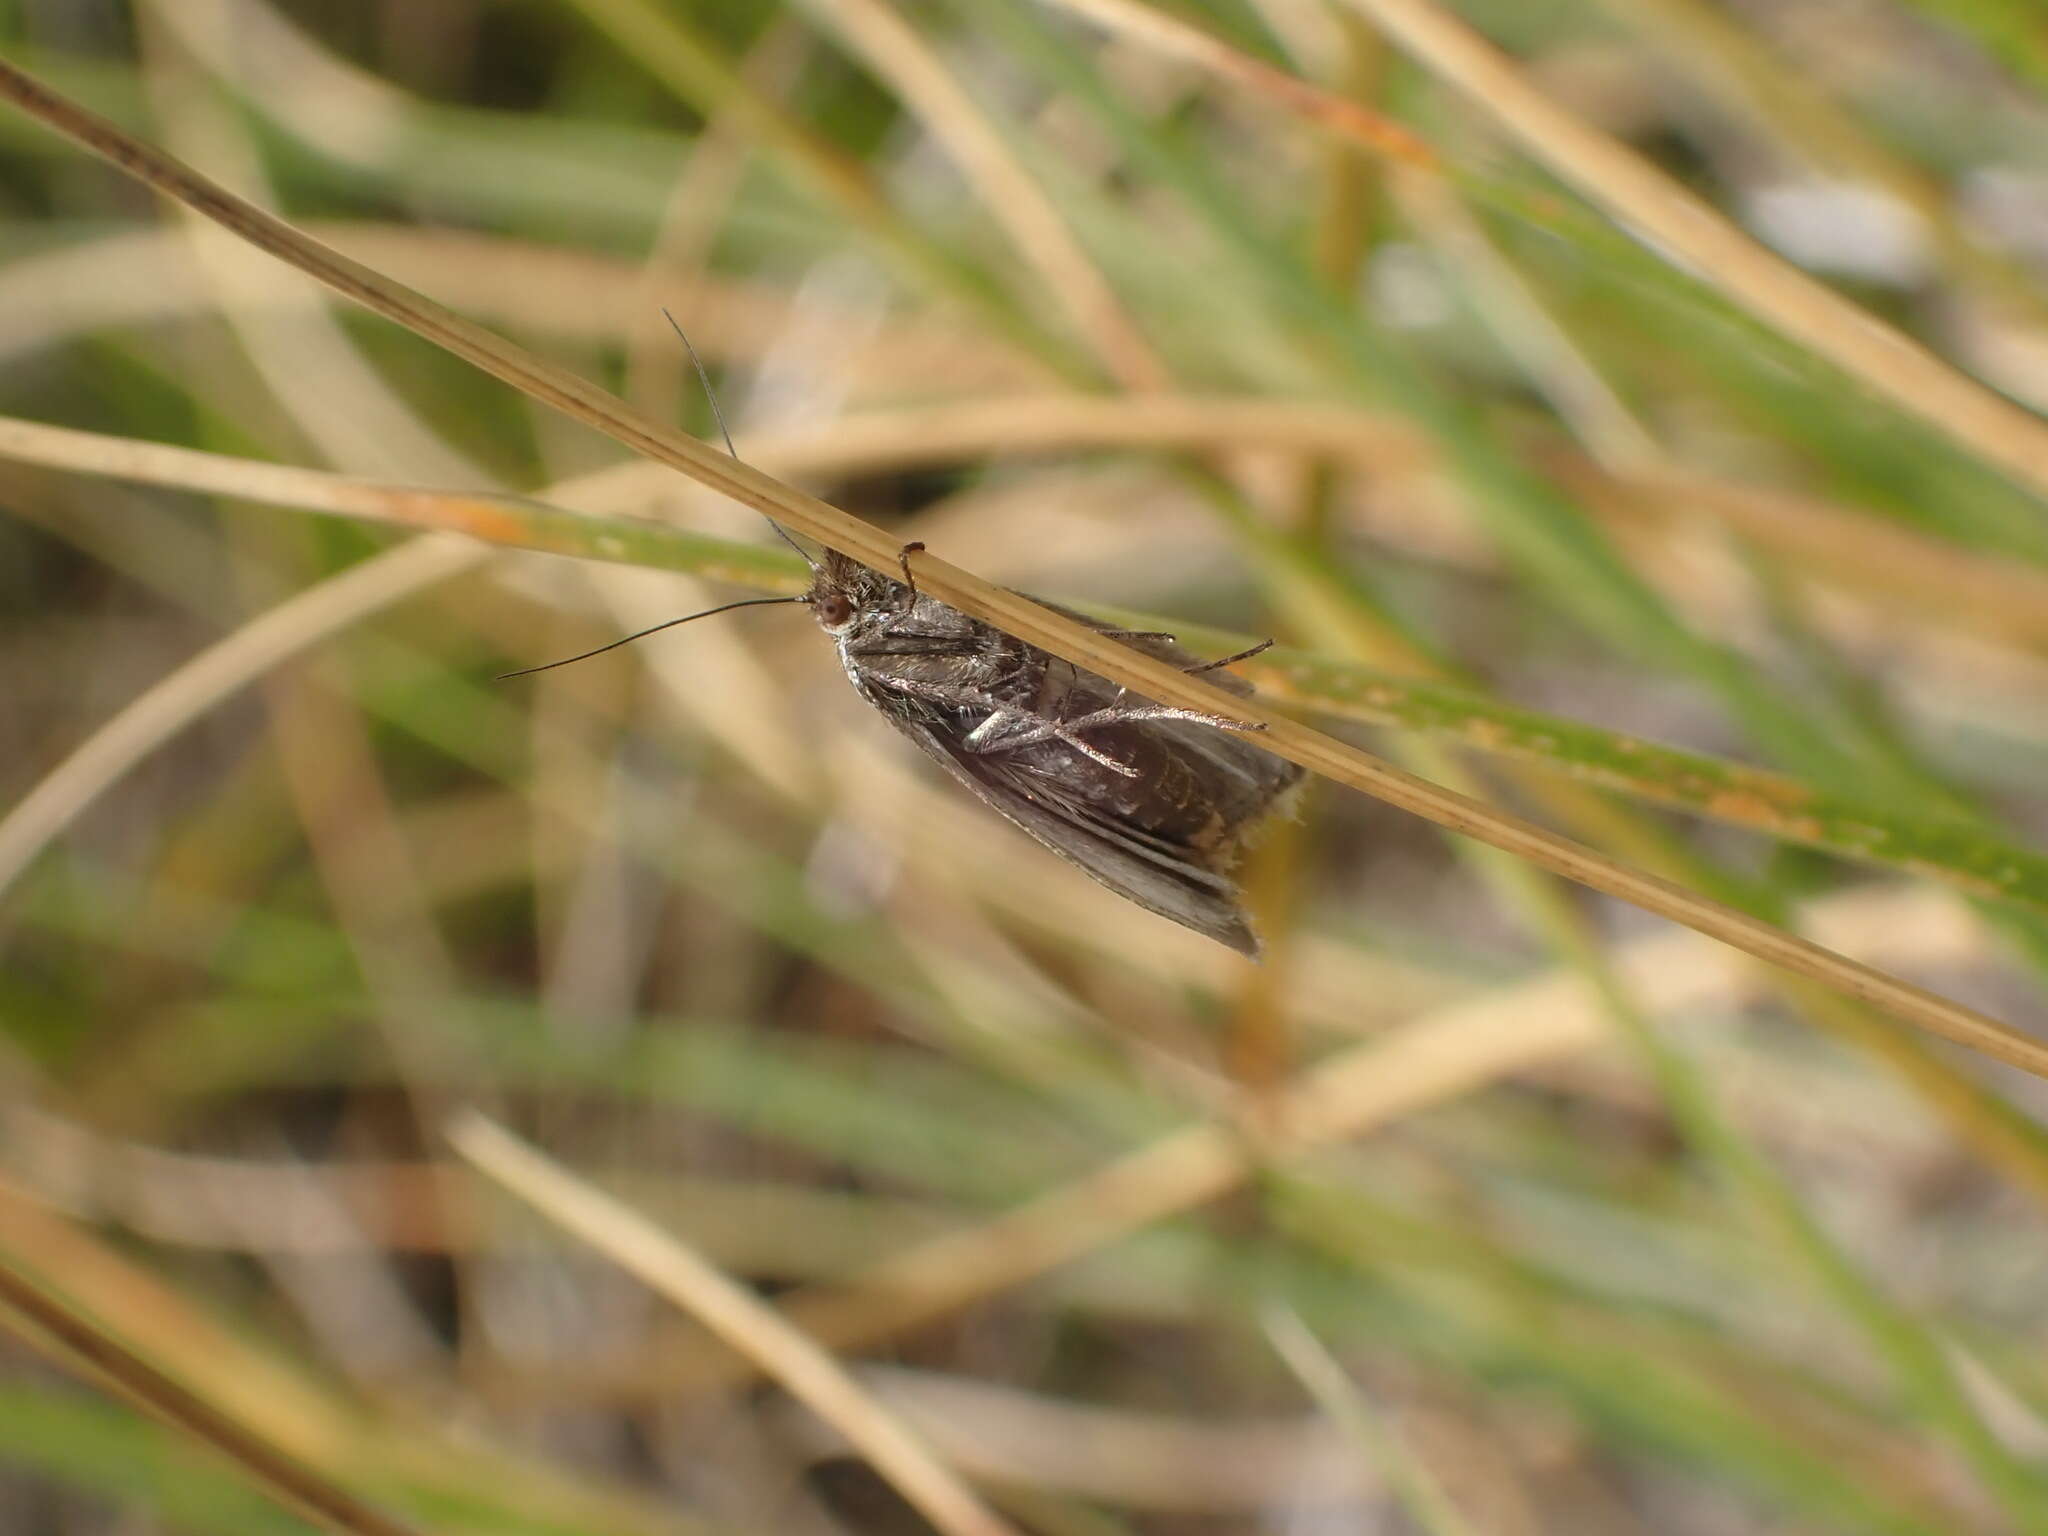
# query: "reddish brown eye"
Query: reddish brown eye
{"points": [[834, 610]]}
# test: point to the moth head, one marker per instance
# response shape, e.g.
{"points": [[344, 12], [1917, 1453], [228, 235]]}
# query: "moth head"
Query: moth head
{"points": [[844, 591]]}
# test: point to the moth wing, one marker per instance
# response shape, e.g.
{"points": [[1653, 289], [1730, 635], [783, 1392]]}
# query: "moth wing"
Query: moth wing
{"points": [[1131, 862], [1260, 776]]}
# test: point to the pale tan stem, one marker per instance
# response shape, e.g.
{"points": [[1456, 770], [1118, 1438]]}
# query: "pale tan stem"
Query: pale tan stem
{"points": [[1713, 250], [1013, 613]]}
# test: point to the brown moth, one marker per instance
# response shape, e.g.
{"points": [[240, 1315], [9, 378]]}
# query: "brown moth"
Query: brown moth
{"points": [[1154, 802]]}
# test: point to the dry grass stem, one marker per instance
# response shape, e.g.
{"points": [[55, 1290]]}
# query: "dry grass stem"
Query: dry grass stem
{"points": [[742, 1321], [1433, 1059], [253, 1386], [1143, 1461], [1028, 621], [1729, 792], [141, 277], [1341, 1398], [899, 54], [1169, 35], [43, 1320], [1840, 545], [1227, 323], [216, 673], [1716, 252]]}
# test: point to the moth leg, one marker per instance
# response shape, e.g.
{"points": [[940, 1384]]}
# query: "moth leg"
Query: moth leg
{"points": [[1119, 714], [1028, 730], [1006, 730], [1224, 661], [1113, 764], [1033, 730], [949, 693], [914, 547], [1005, 727], [1136, 634], [1203, 666]]}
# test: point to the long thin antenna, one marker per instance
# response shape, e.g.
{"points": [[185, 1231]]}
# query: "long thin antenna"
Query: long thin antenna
{"points": [[745, 602], [719, 416], [703, 378]]}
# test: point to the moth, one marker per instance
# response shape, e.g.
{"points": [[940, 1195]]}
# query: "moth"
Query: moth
{"points": [[1153, 801]]}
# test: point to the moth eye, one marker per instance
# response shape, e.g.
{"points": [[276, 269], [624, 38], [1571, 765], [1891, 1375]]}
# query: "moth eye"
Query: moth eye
{"points": [[834, 610]]}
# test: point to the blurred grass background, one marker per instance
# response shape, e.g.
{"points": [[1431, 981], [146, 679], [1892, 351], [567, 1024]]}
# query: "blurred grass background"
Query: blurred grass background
{"points": [[1587, 1227]]}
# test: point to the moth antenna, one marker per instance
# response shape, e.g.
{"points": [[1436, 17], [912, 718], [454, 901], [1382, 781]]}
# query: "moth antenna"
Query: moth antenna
{"points": [[718, 416], [745, 602]]}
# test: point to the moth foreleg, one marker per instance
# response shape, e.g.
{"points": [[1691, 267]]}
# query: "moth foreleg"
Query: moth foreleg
{"points": [[1223, 661], [914, 547]]}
